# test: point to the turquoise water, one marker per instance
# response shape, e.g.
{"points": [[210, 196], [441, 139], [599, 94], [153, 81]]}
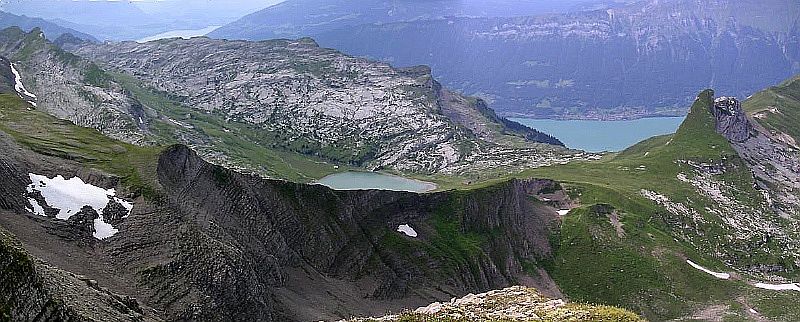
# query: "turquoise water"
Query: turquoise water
{"points": [[599, 136], [376, 181]]}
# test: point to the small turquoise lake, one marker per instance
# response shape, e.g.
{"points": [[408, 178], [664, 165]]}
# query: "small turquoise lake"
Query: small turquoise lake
{"points": [[374, 181], [600, 136]]}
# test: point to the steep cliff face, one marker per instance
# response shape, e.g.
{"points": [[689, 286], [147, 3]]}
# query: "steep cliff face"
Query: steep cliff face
{"points": [[287, 235], [212, 244]]}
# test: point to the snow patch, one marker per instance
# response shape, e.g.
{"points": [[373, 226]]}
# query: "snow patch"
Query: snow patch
{"points": [[102, 229], [779, 287], [37, 209], [70, 195], [18, 86], [723, 276], [563, 212], [406, 229]]}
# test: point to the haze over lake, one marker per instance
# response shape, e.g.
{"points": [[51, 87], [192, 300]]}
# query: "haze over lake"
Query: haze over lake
{"points": [[599, 136]]}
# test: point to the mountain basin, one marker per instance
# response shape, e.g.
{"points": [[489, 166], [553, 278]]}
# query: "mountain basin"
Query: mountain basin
{"points": [[357, 180]]}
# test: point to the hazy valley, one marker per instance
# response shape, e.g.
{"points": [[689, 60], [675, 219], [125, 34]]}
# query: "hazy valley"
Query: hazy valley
{"points": [[597, 64]]}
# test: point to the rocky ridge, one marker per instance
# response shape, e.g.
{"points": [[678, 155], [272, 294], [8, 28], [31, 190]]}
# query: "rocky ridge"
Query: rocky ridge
{"points": [[746, 192], [69, 87], [349, 110]]}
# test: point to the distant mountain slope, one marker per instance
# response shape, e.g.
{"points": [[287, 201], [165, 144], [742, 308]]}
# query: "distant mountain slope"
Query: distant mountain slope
{"points": [[644, 59], [77, 11], [105, 20], [299, 18], [51, 30]]}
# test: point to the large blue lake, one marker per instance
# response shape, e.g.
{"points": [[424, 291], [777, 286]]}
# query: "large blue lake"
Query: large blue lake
{"points": [[599, 136]]}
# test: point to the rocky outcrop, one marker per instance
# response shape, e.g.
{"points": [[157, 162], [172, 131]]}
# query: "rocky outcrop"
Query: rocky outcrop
{"points": [[731, 121], [775, 164], [114, 213], [510, 304]]}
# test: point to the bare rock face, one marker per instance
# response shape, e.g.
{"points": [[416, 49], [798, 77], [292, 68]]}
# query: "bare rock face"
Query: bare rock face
{"points": [[732, 121], [775, 164], [509, 304], [346, 109], [114, 213], [70, 87]]}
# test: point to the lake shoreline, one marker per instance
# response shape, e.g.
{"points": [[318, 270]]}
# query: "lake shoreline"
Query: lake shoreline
{"points": [[604, 118]]}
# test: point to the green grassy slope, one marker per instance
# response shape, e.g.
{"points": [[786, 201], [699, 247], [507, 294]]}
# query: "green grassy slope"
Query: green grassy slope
{"points": [[48, 135], [645, 270]]}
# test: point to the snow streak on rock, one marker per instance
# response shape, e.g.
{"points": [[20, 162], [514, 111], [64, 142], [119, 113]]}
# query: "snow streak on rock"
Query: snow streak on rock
{"points": [[723, 276], [18, 86], [779, 287]]}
